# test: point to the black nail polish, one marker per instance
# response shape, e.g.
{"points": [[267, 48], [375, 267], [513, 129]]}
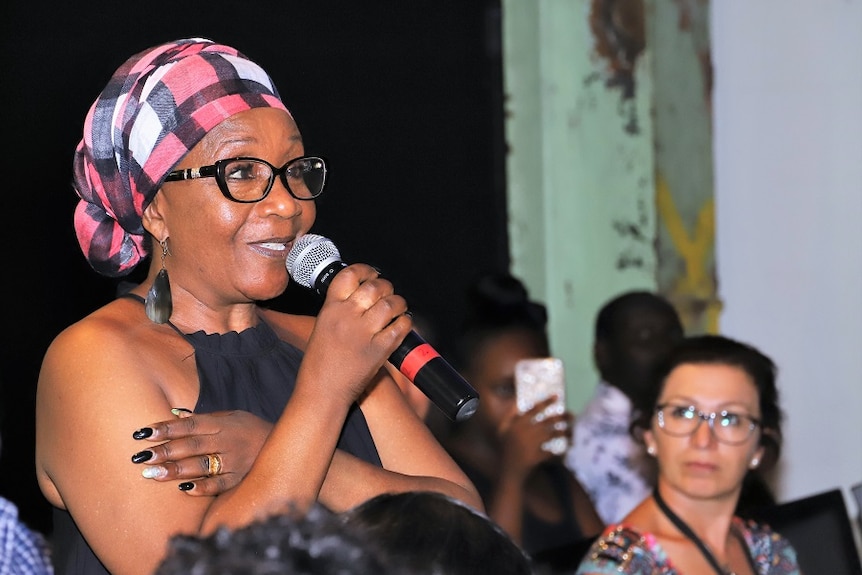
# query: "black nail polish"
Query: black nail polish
{"points": [[143, 433], [142, 456], [186, 486]]}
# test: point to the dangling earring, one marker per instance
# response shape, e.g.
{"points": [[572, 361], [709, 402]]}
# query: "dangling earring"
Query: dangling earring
{"points": [[159, 305]]}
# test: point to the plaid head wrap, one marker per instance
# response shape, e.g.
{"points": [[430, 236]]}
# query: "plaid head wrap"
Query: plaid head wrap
{"points": [[156, 107]]}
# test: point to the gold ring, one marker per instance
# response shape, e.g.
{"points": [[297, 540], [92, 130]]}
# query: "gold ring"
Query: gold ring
{"points": [[213, 464]]}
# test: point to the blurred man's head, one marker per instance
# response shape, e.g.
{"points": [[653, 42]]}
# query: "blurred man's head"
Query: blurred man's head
{"points": [[634, 331]]}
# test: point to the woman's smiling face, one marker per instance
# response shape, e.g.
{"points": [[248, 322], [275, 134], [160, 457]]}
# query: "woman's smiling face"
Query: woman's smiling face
{"points": [[234, 251]]}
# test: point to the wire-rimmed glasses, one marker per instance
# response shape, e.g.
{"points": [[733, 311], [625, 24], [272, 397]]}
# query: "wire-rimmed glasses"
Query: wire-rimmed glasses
{"points": [[728, 427]]}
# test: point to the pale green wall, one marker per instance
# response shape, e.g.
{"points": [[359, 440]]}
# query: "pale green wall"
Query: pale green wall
{"points": [[573, 172], [583, 218]]}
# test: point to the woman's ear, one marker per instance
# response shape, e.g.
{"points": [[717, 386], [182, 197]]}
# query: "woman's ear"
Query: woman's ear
{"points": [[768, 448], [649, 441], [757, 457], [153, 220]]}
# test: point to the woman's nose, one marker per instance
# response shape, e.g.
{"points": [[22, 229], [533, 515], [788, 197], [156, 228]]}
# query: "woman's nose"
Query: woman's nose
{"points": [[281, 201], [703, 435]]}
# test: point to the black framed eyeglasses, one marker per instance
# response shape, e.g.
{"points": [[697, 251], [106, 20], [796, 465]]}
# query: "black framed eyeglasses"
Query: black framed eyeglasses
{"points": [[247, 180], [726, 426]]}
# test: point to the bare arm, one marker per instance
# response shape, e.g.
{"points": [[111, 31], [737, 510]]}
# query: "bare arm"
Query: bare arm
{"points": [[412, 458]]}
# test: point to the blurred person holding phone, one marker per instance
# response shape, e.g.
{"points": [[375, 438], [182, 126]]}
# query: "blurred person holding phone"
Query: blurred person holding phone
{"points": [[526, 488]]}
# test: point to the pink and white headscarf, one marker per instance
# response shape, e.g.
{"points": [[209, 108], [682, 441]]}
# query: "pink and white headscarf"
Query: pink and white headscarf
{"points": [[156, 107]]}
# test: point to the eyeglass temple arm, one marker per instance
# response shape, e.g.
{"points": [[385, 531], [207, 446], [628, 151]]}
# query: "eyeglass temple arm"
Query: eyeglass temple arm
{"points": [[187, 174]]}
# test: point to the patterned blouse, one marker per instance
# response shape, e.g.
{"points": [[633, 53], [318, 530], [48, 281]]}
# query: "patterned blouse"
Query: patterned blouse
{"points": [[622, 549]]}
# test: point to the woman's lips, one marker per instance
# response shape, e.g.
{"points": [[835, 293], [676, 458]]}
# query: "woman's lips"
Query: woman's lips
{"points": [[701, 466], [272, 248]]}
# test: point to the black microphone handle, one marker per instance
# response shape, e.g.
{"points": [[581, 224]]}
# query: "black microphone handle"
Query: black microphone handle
{"points": [[324, 277], [434, 377], [421, 364]]}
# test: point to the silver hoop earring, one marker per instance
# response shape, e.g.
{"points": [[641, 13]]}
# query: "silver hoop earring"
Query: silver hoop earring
{"points": [[159, 304]]}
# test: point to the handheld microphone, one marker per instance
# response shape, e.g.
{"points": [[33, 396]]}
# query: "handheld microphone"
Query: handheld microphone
{"points": [[313, 262]]}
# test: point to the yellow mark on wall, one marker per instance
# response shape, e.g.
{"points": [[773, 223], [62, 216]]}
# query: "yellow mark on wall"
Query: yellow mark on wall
{"points": [[693, 292]]}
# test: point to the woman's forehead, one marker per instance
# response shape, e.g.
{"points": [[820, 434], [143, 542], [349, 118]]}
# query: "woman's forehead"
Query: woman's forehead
{"points": [[258, 127], [711, 383]]}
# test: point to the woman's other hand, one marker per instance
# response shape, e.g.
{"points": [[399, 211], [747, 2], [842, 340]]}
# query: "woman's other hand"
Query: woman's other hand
{"points": [[187, 443], [523, 434]]}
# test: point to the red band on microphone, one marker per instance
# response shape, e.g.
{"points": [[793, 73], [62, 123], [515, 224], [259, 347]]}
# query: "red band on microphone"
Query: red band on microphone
{"points": [[416, 360]]}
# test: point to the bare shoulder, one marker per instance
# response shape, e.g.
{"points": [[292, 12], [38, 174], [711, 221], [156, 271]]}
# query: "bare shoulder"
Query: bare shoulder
{"points": [[116, 337], [84, 348], [107, 326], [644, 517]]}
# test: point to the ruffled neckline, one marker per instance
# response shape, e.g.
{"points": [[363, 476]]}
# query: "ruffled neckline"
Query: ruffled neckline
{"points": [[248, 342]]}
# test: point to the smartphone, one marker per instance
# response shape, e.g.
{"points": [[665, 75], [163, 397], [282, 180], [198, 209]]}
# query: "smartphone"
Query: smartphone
{"points": [[537, 379]]}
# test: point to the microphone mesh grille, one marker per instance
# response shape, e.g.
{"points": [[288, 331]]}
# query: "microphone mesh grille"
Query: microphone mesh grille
{"points": [[306, 255]]}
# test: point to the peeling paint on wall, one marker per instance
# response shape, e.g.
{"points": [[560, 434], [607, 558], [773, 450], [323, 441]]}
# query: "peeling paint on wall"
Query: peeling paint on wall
{"points": [[637, 237], [619, 39]]}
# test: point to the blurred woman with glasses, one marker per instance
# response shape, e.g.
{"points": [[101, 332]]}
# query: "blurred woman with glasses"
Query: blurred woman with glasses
{"points": [[190, 159], [709, 421]]}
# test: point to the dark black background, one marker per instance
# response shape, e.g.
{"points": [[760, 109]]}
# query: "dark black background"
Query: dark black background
{"points": [[403, 98]]}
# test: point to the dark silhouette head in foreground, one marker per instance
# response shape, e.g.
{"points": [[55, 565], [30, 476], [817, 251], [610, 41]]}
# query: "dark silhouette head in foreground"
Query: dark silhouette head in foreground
{"points": [[427, 532], [409, 533], [314, 543]]}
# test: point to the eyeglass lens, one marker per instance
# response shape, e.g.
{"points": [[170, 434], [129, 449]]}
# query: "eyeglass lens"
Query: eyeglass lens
{"points": [[249, 180], [728, 427]]}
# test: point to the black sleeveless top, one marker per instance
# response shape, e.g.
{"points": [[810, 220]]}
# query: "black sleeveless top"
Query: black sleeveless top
{"points": [[252, 371]]}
